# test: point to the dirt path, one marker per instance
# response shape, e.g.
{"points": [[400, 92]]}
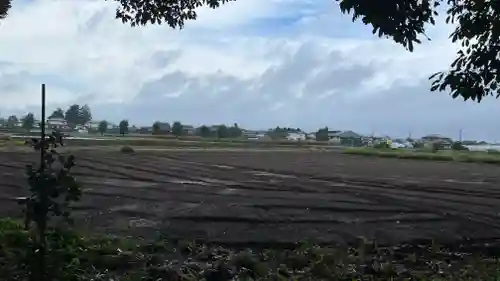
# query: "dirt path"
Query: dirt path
{"points": [[271, 197]]}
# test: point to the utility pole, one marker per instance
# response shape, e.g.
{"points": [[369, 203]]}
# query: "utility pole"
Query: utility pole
{"points": [[42, 125]]}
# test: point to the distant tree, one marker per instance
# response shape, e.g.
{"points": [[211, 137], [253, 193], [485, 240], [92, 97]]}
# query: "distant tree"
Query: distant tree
{"points": [[278, 133], [123, 127], [459, 146], [156, 127], [204, 132], [78, 115], [234, 131], [28, 121], [418, 144], [72, 115], [12, 121], [322, 134], [85, 115], [166, 127], [58, 113], [222, 132], [161, 128], [177, 129], [103, 127]]}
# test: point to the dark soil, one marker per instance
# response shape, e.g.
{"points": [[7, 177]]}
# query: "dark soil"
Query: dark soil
{"points": [[275, 197]]}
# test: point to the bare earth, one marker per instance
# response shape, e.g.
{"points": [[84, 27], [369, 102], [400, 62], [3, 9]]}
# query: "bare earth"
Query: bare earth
{"points": [[275, 197]]}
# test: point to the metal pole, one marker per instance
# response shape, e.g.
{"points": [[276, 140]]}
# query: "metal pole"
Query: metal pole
{"points": [[42, 125]]}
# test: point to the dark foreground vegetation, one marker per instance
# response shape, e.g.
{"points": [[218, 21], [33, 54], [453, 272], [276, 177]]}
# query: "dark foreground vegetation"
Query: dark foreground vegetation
{"points": [[73, 257]]}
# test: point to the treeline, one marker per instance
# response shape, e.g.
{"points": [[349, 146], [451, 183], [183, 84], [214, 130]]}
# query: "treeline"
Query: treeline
{"points": [[280, 133], [178, 129], [205, 131], [217, 131], [74, 115], [79, 115]]}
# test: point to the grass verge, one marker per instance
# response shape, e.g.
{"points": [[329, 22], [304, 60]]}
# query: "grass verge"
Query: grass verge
{"points": [[490, 157], [193, 141], [182, 143], [74, 257]]}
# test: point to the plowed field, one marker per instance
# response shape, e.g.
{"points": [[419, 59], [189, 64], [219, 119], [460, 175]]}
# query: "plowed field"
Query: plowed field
{"points": [[275, 197]]}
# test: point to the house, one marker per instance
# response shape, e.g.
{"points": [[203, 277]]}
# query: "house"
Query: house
{"points": [[164, 127], [333, 134], [214, 128], [346, 138], [189, 129], [144, 130], [436, 137], [132, 129], [443, 141], [36, 124], [81, 128], [254, 134], [93, 125], [55, 123]]}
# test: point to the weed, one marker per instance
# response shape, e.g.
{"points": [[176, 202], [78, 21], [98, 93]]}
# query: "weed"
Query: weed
{"points": [[382, 145], [493, 151], [459, 146], [127, 149], [52, 189]]}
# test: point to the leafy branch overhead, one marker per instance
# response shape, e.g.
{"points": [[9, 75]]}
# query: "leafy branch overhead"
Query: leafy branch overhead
{"points": [[5, 6], [473, 75], [172, 12]]}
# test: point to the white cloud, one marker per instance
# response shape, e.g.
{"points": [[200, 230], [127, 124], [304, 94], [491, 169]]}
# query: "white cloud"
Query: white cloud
{"points": [[261, 63]]}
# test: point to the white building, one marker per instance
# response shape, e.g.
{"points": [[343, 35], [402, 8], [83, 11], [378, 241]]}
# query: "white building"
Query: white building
{"points": [[296, 136], [311, 136], [57, 124], [94, 125]]}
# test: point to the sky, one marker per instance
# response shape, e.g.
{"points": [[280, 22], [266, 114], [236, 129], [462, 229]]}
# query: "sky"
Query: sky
{"points": [[258, 63]]}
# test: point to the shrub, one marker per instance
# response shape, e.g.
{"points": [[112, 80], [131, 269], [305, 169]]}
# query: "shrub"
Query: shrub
{"points": [[493, 151], [381, 145], [52, 188], [435, 146], [418, 144], [459, 146], [127, 149]]}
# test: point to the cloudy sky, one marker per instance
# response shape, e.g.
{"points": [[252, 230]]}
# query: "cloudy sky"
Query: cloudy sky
{"points": [[260, 63]]}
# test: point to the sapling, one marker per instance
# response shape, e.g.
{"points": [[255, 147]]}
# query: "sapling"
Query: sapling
{"points": [[52, 189]]}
